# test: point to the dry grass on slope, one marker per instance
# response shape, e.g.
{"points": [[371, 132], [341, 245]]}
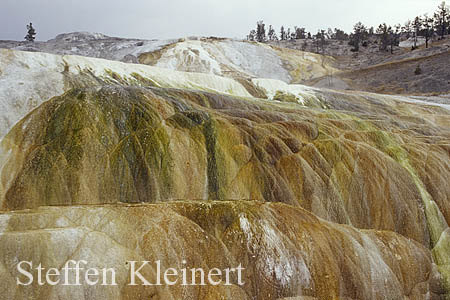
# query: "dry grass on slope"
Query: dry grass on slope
{"points": [[421, 75]]}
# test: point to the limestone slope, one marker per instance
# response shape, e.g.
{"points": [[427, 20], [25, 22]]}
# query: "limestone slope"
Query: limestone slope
{"points": [[28, 79], [219, 56], [236, 59], [285, 252], [104, 133]]}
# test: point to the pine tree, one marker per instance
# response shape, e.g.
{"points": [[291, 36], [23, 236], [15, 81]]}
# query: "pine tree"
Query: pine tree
{"points": [[358, 35], [394, 36], [417, 24], [304, 45], [293, 35], [340, 35], [330, 34], [442, 17], [31, 33], [319, 41], [383, 34], [260, 32], [282, 33], [407, 29], [252, 35], [300, 33], [272, 35], [322, 40], [428, 29]]}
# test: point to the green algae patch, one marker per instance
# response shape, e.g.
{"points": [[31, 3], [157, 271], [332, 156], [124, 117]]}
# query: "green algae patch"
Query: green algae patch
{"points": [[114, 78], [437, 225], [97, 146], [285, 97], [251, 88], [215, 176], [82, 79], [151, 58], [143, 81]]}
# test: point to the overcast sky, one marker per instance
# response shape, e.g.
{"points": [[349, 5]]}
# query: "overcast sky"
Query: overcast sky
{"points": [[158, 19]]}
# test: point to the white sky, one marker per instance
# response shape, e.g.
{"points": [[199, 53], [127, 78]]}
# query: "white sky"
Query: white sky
{"points": [[156, 19]]}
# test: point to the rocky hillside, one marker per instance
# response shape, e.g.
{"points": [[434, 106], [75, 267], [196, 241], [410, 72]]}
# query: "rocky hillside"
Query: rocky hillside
{"points": [[320, 194], [417, 75], [377, 71]]}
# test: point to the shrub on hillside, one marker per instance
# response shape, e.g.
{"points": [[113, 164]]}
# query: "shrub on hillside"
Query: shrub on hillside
{"points": [[418, 70]]}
